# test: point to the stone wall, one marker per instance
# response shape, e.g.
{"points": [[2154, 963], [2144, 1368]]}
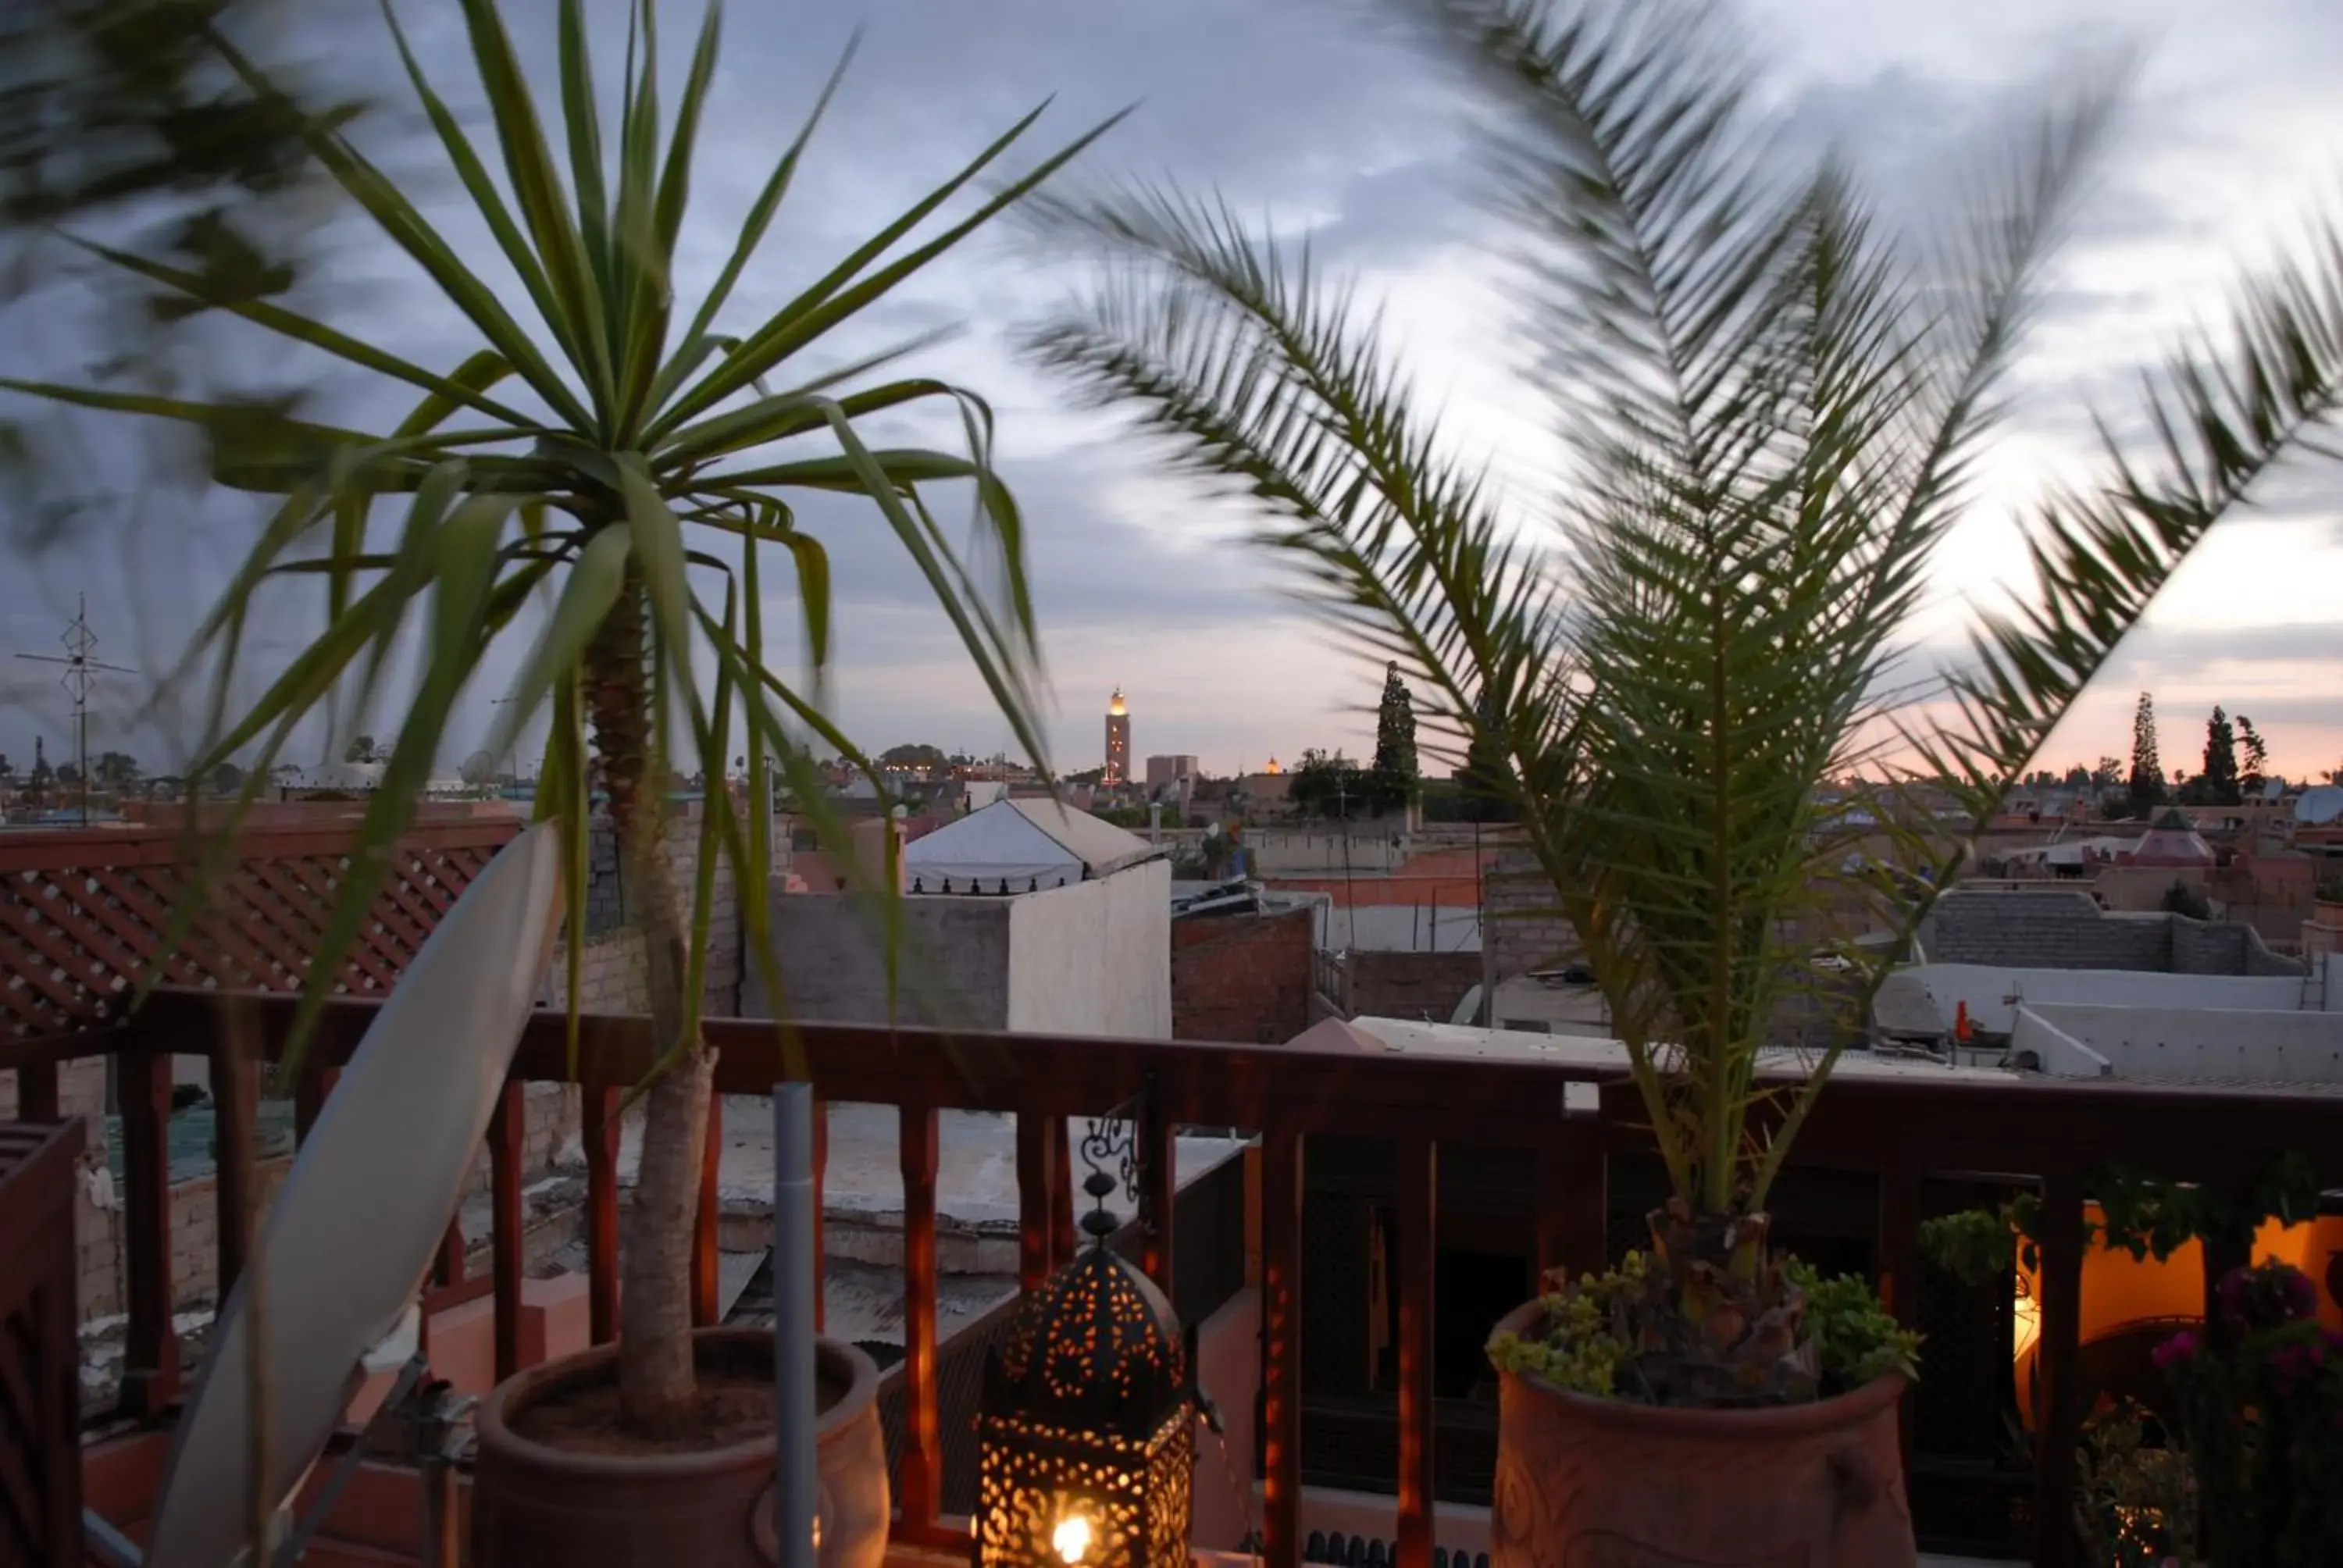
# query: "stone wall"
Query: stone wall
{"points": [[2065, 928], [1521, 929], [1244, 979]]}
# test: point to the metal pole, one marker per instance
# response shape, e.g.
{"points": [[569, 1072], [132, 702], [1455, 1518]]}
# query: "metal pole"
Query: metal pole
{"points": [[796, 1494]]}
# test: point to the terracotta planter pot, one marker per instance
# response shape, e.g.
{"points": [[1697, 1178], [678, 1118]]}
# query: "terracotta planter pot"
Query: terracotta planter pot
{"points": [[539, 1506], [1599, 1483]]}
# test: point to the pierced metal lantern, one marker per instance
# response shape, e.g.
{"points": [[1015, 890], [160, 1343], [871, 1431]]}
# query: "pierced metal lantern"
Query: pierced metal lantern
{"points": [[1087, 1419]]}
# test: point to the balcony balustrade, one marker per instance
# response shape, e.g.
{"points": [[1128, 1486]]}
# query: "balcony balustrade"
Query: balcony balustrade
{"points": [[1888, 1134]]}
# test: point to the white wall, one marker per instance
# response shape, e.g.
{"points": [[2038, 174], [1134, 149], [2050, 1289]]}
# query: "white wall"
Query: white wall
{"points": [[1398, 929], [1094, 957], [1985, 988], [2165, 1042], [2061, 1055]]}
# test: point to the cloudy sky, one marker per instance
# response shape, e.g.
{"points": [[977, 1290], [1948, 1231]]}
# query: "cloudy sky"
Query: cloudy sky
{"points": [[1295, 110]]}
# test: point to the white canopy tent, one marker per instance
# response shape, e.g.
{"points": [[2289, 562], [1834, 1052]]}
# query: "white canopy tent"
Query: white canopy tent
{"points": [[1028, 844]]}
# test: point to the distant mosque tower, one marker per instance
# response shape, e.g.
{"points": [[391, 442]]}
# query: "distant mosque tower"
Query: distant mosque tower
{"points": [[1118, 741]]}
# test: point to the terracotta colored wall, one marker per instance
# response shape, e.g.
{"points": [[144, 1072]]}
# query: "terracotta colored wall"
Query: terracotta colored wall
{"points": [[1242, 978]]}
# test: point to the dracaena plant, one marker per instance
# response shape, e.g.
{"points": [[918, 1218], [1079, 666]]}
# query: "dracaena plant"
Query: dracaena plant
{"points": [[633, 464], [1695, 658]]}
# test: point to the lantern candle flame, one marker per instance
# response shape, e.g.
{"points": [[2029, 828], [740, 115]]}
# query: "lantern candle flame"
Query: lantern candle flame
{"points": [[1072, 1540]]}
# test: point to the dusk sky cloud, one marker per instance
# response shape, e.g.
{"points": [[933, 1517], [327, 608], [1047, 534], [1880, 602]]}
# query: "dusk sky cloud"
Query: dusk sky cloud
{"points": [[1306, 111]]}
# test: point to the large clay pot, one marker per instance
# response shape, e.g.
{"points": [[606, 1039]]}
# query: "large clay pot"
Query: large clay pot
{"points": [[537, 1506], [1586, 1482]]}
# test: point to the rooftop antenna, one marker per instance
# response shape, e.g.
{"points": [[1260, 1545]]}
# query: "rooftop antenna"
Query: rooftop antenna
{"points": [[81, 670]]}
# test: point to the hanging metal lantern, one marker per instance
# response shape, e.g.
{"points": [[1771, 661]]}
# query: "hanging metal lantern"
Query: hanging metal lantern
{"points": [[1087, 1420]]}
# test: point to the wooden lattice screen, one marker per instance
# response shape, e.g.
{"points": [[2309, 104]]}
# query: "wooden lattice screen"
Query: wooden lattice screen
{"points": [[84, 912]]}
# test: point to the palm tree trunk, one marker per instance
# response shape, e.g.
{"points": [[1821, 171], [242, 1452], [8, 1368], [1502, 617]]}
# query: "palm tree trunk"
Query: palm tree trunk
{"points": [[658, 1393]]}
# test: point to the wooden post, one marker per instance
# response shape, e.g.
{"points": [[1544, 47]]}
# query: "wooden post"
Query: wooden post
{"points": [[508, 1144], [150, 1377], [599, 1127], [920, 1469], [1281, 1369], [1419, 1189], [2056, 1422]]}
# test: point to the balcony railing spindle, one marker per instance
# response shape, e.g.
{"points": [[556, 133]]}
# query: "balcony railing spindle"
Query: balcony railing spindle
{"points": [[150, 1377], [1281, 1369], [236, 1101], [919, 1474], [2057, 1421], [1419, 1187], [707, 1219], [1037, 1188], [507, 1139], [599, 1128]]}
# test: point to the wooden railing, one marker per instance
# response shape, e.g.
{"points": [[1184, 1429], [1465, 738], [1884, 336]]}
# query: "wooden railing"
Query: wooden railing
{"points": [[1896, 1131]]}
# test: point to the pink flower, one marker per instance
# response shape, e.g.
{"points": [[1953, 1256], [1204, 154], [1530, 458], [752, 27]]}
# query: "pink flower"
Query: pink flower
{"points": [[2181, 1347]]}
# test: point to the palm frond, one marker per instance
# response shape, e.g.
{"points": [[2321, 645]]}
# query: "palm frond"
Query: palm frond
{"points": [[1775, 409]]}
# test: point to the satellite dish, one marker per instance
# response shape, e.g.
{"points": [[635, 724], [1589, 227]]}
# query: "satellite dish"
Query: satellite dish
{"points": [[352, 1233], [2319, 805], [479, 767]]}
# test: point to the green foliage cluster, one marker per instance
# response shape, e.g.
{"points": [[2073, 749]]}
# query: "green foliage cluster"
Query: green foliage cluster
{"points": [[1581, 1339], [1857, 1338], [1588, 1333], [2146, 1215]]}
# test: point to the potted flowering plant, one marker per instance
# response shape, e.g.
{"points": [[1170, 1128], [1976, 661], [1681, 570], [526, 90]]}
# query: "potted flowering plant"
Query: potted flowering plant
{"points": [[1685, 677], [2259, 1395]]}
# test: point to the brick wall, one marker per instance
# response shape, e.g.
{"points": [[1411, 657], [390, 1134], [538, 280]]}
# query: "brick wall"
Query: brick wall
{"points": [[1408, 985], [1242, 978]]}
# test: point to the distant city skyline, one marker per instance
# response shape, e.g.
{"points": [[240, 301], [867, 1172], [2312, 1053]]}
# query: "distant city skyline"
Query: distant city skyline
{"points": [[1348, 140]]}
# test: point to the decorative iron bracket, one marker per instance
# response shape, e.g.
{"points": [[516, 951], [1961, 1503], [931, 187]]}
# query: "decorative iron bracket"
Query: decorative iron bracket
{"points": [[1120, 1141]]}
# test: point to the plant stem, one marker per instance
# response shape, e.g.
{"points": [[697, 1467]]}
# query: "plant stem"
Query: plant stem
{"points": [[657, 1392]]}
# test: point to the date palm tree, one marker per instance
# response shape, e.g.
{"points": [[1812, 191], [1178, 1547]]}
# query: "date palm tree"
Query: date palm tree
{"points": [[635, 470], [1773, 413]]}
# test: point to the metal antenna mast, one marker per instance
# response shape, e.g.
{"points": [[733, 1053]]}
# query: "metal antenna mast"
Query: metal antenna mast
{"points": [[82, 668]]}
